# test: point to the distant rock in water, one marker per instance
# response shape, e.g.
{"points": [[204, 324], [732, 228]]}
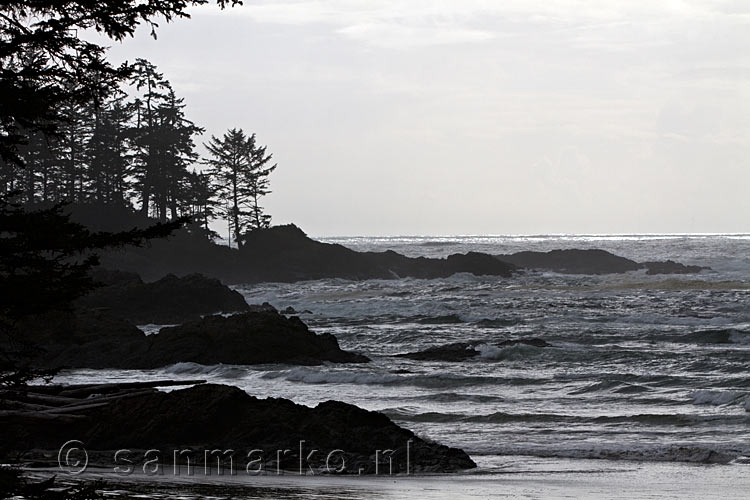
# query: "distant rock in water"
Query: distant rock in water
{"points": [[672, 267], [593, 261], [457, 351], [572, 261], [448, 319], [168, 300], [460, 351], [208, 417], [97, 339]]}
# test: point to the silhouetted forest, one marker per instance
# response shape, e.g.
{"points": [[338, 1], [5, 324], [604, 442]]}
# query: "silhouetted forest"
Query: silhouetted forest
{"points": [[75, 129], [136, 148]]}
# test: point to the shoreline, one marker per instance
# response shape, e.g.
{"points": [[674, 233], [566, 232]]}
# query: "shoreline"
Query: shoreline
{"points": [[510, 476]]}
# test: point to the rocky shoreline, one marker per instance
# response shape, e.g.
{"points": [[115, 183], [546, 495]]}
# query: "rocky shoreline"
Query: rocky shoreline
{"points": [[213, 324], [178, 427]]}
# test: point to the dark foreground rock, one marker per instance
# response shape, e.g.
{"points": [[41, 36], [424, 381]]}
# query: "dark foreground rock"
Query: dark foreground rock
{"points": [[168, 300], [348, 439], [576, 261], [460, 351], [97, 339]]}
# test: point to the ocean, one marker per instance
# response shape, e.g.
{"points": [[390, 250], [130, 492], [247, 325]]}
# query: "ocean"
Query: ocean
{"points": [[643, 369]]}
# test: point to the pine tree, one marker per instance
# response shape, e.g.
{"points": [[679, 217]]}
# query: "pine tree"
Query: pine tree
{"points": [[108, 152], [200, 201], [240, 170], [259, 186], [163, 140]]}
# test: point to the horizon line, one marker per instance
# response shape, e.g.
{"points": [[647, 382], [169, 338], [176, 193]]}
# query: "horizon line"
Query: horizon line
{"points": [[534, 235]]}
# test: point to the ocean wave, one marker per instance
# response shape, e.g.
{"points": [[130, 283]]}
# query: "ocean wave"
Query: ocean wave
{"points": [[497, 322], [710, 453], [718, 336], [453, 397], [615, 385], [509, 353], [447, 319], [311, 376], [674, 284], [644, 419], [719, 398], [218, 371], [308, 375]]}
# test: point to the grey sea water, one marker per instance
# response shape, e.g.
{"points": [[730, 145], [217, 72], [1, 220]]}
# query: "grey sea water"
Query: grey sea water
{"points": [[643, 368]]}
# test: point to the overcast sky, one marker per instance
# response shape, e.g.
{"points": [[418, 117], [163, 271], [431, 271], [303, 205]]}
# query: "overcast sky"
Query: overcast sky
{"points": [[395, 117]]}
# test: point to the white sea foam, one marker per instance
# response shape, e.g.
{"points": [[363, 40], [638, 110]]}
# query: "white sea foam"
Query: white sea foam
{"points": [[152, 328]]}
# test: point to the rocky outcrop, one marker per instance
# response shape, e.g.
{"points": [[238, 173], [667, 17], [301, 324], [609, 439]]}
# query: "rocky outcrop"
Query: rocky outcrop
{"points": [[576, 261], [85, 338], [672, 267], [168, 300], [97, 339], [287, 254], [460, 351], [348, 439], [572, 261], [246, 339]]}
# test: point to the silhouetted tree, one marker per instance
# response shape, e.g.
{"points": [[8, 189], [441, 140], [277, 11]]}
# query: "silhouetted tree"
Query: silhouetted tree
{"points": [[44, 62], [259, 186], [200, 197], [108, 152], [239, 168], [163, 140]]}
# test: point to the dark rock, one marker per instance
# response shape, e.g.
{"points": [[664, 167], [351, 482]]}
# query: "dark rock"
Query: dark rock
{"points": [[479, 264], [287, 254], [208, 417], [672, 267], [97, 339], [572, 261], [246, 339], [448, 319], [457, 351], [288, 310], [264, 307], [575, 261], [460, 351], [168, 300], [85, 338], [497, 322]]}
